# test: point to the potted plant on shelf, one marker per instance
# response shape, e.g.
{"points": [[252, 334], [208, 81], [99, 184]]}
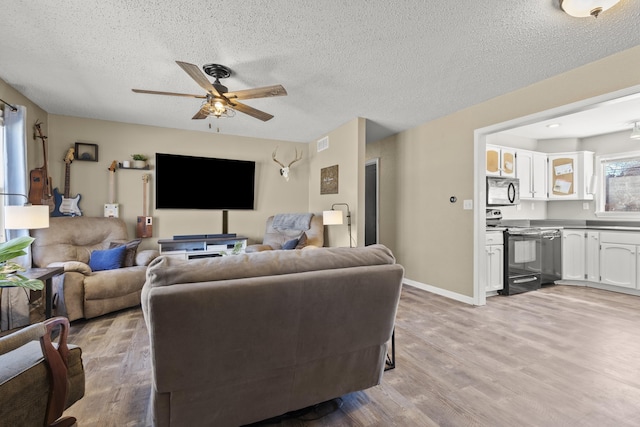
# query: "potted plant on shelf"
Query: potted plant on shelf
{"points": [[9, 270], [139, 160]]}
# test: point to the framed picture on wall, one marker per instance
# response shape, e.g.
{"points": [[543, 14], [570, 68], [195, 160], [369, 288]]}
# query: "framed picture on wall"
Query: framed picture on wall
{"points": [[329, 180], [86, 152]]}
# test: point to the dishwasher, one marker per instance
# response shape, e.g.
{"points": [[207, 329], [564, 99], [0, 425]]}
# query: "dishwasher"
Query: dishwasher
{"points": [[550, 256]]}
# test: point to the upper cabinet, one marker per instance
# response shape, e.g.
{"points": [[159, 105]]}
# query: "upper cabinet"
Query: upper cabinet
{"points": [[570, 175], [531, 169], [501, 161]]}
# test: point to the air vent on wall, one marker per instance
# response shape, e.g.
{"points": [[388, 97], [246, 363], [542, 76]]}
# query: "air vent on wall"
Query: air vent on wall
{"points": [[323, 144]]}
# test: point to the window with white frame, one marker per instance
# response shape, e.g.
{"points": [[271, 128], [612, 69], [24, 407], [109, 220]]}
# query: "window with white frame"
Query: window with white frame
{"points": [[619, 193]]}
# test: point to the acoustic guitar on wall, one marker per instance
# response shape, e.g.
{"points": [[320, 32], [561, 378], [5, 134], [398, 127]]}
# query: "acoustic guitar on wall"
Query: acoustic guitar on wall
{"points": [[39, 180], [65, 205]]}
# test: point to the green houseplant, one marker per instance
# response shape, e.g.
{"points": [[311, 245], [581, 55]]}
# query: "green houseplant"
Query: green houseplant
{"points": [[139, 160], [9, 270]]}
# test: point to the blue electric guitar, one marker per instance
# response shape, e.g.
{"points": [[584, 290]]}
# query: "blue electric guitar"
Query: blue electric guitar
{"points": [[65, 205]]}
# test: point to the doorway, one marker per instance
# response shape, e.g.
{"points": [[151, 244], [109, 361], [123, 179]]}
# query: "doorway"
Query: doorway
{"points": [[371, 202], [480, 137]]}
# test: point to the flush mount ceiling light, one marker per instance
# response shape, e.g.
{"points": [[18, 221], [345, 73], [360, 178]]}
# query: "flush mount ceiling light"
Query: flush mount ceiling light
{"points": [[635, 133], [586, 8]]}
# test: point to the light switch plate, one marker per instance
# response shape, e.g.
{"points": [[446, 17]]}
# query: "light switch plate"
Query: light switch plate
{"points": [[467, 204]]}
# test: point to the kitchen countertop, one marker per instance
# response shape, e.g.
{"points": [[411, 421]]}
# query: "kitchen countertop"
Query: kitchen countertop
{"points": [[575, 224]]}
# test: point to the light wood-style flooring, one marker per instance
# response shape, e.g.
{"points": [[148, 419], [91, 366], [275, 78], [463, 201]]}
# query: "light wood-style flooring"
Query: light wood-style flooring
{"points": [[560, 356]]}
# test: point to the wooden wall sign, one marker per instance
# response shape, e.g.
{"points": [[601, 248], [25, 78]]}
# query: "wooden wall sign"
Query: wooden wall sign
{"points": [[329, 180]]}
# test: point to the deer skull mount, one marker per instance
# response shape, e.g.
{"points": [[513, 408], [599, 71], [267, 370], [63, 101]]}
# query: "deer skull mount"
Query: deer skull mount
{"points": [[284, 170]]}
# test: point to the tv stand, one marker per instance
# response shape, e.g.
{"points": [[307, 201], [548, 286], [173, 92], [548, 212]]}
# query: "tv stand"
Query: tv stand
{"points": [[202, 247]]}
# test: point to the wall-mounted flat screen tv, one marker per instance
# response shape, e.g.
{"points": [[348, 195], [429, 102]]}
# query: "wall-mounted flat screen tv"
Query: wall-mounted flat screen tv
{"points": [[189, 182]]}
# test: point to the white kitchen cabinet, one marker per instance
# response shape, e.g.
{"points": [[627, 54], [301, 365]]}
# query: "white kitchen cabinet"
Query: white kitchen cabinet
{"points": [[573, 254], [570, 175], [501, 161], [531, 169], [618, 264], [593, 256], [494, 250]]}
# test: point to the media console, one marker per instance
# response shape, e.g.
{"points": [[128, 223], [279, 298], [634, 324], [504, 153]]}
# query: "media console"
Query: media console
{"points": [[201, 246]]}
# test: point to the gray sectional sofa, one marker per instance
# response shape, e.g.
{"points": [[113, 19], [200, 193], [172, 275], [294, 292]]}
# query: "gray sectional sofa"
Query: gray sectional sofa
{"points": [[239, 339]]}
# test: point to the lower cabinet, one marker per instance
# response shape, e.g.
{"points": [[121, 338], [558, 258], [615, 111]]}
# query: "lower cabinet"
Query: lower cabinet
{"points": [[574, 254], [618, 264], [593, 256], [494, 250], [605, 257]]}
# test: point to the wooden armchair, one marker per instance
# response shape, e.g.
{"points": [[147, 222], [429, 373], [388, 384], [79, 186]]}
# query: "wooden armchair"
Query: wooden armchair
{"points": [[39, 379]]}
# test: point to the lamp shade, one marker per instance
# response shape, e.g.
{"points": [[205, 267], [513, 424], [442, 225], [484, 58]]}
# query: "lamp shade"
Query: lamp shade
{"points": [[586, 8], [332, 217], [26, 217]]}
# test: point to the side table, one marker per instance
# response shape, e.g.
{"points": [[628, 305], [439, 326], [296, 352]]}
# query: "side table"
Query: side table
{"points": [[46, 275]]}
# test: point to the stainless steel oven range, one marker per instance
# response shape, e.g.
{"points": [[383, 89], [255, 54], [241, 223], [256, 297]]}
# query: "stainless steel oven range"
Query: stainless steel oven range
{"points": [[522, 260], [531, 258]]}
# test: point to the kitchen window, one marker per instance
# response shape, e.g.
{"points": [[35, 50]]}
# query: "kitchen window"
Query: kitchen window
{"points": [[619, 194]]}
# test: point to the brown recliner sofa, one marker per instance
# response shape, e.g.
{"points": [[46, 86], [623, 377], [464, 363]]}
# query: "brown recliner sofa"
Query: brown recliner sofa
{"points": [[81, 292], [307, 228], [243, 338]]}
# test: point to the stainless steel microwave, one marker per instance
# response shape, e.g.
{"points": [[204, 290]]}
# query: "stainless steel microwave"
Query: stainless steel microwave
{"points": [[503, 191]]}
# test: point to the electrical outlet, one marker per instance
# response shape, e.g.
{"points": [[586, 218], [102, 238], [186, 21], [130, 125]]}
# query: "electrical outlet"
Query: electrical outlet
{"points": [[467, 204], [585, 206]]}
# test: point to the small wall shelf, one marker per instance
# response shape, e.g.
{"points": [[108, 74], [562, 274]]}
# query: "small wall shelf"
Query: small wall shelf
{"points": [[146, 168]]}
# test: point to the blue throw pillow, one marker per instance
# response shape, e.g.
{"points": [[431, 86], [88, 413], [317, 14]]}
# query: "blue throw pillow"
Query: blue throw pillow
{"points": [[290, 244], [107, 259]]}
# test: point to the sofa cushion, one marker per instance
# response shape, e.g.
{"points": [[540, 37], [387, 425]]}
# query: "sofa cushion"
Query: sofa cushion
{"points": [[290, 244], [72, 238], [302, 241], [164, 271], [108, 259], [130, 253]]}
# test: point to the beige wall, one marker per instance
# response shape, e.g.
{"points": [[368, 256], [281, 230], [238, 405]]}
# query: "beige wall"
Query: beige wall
{"points": [[117, 141], [346, 149], [434, 239]]}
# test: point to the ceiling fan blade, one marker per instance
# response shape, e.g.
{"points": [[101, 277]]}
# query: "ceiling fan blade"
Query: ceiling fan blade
{"points": [[243, 108], [197, 75], [260, 92], [201, 114], [155, 92]]}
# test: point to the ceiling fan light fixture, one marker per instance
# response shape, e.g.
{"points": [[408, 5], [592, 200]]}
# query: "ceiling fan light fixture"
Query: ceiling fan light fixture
{"points": [[586, 8], [635, 133], [218, 109]]}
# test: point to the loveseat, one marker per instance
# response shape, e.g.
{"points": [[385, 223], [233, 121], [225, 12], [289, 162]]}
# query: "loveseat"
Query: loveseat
{"points": [[299, 230], [81, 292], [242, 338]]}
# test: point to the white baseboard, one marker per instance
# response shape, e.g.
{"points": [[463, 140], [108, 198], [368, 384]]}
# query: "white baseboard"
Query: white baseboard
{"points": [[439, 291]]}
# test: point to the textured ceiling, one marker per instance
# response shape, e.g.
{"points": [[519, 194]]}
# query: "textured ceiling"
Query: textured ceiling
{"points": [[396, 63]]}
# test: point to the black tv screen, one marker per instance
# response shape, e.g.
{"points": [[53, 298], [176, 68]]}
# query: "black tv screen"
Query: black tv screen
{"points": [[188, 182]]}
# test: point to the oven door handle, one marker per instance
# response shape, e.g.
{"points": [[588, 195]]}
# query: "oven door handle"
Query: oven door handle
{"points": [[528, 279]]}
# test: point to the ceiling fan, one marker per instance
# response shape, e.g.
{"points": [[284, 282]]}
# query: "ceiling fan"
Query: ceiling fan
{"points": [[219, 102]]}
